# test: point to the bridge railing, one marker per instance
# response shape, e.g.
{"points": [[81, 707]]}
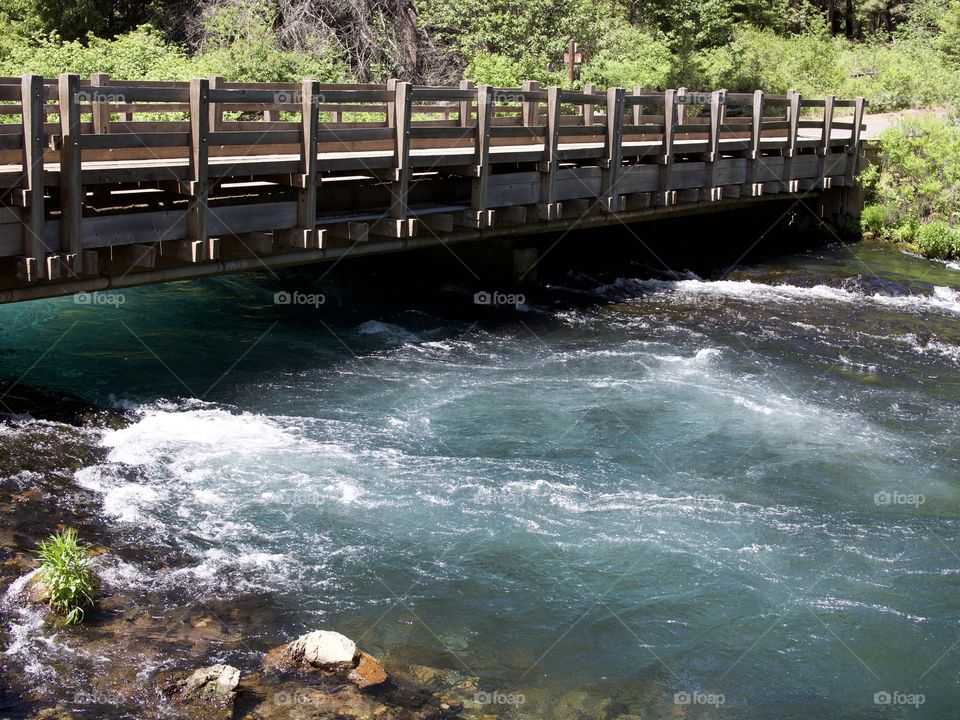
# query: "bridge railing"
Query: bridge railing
{"points": [[544, 150]]}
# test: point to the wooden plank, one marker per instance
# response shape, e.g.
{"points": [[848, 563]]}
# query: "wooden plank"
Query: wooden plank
{"points": [[199, 159], [32, 160], [71, 186]]}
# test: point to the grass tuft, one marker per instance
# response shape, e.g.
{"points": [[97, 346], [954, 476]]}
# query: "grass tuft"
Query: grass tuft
{"points": [[67, 575]]}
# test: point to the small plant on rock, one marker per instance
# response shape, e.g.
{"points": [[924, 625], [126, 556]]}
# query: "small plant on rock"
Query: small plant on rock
{"points": [[67, 575]]}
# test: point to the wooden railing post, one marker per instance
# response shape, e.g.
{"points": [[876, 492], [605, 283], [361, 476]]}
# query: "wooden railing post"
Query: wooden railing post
{"points": [[530, 108], [638, 107], [464, 105], [32, 264], [713, 191], [216, 110], [588, 89], [199, 186], [399, 208], [787, 183], [668, 196], [481, 155], [853, 150], [682, 98], [826, 136], [753, 187], [391, 104], [612, 199], [549, 208], [101, 108], [71, 185], [306, 236]]}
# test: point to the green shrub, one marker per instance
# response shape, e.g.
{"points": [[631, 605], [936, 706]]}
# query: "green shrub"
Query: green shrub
{"points": [[629, 57], [939, 240], [761, 59], [900, 74], [875, 219], [67, 575]]}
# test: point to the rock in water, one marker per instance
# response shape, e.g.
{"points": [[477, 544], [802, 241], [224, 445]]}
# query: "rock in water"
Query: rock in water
{"points": [[216, 680], [368, 672], [330, 653], [328, 650]]}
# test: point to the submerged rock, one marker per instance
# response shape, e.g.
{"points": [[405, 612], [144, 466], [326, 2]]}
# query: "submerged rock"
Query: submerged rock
{"points": [[216, 682], [208, 693], [330, 653], [368, 672]]}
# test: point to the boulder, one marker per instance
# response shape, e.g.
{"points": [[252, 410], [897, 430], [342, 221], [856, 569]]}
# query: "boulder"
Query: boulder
{"points": [[327, 650], [368, 672], [216, 681], [329, 653]]}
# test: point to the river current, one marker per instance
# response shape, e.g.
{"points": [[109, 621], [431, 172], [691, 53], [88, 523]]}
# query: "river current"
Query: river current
{"points": [[675, 496]]}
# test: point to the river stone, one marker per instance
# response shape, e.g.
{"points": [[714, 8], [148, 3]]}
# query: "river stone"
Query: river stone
{"points": [[216, 680], [368, 672], [327, 649], [321, 649]]}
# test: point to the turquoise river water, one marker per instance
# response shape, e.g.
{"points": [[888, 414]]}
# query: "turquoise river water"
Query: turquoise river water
{"points": [[736, 497]]}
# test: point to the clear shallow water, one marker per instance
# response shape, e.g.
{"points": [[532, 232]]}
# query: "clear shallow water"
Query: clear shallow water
{"points": [[745, 488]]}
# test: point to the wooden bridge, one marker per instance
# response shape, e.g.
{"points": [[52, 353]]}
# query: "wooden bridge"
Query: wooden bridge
{"points": [[106, 183]]}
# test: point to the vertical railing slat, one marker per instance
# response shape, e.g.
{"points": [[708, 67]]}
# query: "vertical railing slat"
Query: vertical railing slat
{"points": [[549, 209], [197, 213], [34, 249], [403, 105], [71, 186], [481, 155], [611, 181]]}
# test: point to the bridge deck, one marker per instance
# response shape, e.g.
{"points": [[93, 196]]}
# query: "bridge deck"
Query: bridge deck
{"points": [[137, 182]]}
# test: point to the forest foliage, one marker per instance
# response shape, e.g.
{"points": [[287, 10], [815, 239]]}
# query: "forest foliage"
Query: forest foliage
{"points": [[897, 54]]}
